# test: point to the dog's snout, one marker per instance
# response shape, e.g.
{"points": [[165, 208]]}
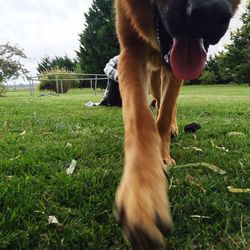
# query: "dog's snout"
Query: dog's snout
{"points": [[209, 19], [213, 12], [194, 19]]}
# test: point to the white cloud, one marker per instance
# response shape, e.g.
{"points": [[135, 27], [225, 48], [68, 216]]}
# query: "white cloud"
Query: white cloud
{"points": [[43, 27]]}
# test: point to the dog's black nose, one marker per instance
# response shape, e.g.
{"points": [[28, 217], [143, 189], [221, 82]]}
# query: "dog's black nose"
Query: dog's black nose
{"points": [[212, 15], [206, 12]]}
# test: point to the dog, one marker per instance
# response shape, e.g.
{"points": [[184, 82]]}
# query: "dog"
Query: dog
{"points": [[162, 43]]}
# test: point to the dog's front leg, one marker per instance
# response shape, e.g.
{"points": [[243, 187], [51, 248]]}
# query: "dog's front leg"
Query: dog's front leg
{"points": [[166, 120], [141, 198]]}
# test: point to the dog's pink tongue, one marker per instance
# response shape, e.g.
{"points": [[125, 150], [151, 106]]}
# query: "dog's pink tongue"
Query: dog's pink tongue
{"points": [[188, 58]]}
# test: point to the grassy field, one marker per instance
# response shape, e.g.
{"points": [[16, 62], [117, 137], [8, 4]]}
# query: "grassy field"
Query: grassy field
{"points": [[40, 136]]}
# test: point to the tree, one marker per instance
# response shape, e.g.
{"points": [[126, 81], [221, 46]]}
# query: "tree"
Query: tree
{"points": [[98, 41], [233, 64], [237, 57], [64, 63], [212, 72], [44, 65], [2, 86], [207, 77], [10, 65]]}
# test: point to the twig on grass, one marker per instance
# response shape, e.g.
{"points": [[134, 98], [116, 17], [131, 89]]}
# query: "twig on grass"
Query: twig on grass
{"points": [[238, 190], [219, 147], [203, 164], [200, 216], [199, 150]]}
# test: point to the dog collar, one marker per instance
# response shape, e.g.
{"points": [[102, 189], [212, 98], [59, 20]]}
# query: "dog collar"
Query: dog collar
{"points": [[165, 41]]}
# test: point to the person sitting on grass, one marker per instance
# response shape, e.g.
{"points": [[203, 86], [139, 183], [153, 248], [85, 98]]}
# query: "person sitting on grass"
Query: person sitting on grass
{"points": [[112, 95]]}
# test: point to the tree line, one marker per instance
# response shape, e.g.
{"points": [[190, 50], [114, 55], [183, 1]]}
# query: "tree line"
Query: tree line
{"points": [[98, 43], [233, 64]]}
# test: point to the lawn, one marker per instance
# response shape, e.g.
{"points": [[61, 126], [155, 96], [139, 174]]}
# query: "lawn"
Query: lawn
{"points": [[40, 136]]}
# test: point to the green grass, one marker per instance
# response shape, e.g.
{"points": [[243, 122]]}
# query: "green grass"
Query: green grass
{"points": [[34, 136]]}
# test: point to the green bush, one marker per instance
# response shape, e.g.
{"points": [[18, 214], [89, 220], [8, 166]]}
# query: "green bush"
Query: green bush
{"points": [[207, 78], [3, 88], [66, 80]]}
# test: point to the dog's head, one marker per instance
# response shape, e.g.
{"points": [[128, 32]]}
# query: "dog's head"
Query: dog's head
{"points": [[193, 26]]}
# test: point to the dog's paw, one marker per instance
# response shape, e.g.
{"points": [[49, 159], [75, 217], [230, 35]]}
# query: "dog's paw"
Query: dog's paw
{"points": [[174, 130], [143, 209], [168, 161]]}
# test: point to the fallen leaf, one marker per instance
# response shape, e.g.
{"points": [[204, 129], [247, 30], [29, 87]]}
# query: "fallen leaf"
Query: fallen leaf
{"points": [[45, 237], [195, 182], [70, 170], [47, 133], [15, 158], [53, 220], [38, 212], [23, 133], [241, 164], [119, 137], [203, 164], [170, 183], [236, 134], [195, 137], [238, 190], [8, 177]]}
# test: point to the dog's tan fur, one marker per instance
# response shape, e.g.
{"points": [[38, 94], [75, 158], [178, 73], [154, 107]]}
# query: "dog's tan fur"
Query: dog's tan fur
{"points": [[141, 194]]}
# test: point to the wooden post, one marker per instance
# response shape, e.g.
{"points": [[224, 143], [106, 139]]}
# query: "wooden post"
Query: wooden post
{"points": [[57, 85], [62, 86], [95, 84], [30, 88]]}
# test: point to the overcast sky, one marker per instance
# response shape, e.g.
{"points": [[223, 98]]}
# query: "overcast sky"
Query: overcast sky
{"points": [[52, 27]]}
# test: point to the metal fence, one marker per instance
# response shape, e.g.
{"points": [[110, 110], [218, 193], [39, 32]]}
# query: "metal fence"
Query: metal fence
{"points": [[93, 80]]}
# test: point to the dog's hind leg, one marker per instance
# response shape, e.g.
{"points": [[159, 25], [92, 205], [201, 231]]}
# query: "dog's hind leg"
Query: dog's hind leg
{"points": [[174, 126], [141, 198], [155, 90], [166, 120]]}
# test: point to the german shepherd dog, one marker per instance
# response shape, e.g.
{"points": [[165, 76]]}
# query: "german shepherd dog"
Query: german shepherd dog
{"points": [[163, 42]]}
